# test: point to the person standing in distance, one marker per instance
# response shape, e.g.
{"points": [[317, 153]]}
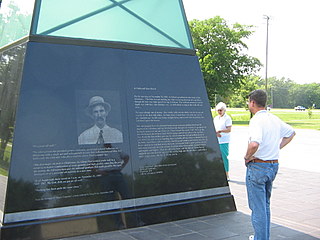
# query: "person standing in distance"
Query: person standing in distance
{"points": [[100, 132], [223, 124], [267, 135]]}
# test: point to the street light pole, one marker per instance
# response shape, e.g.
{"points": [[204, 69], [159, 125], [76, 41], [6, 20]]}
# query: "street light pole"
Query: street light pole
{"points": [[267, 43]]}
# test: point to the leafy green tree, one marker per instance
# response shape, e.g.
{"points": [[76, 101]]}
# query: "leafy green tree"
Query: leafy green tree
{"points": [[285, 93], [239, 98], [11, 63], [278, 92], [220, 49], [13, 24], [307, 95]]}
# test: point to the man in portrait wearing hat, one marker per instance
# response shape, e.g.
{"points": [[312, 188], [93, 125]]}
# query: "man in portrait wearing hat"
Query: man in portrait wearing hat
{"points": [[100, 132]]}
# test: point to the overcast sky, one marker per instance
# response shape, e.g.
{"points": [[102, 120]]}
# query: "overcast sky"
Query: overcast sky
{"points": [[294, 32]]}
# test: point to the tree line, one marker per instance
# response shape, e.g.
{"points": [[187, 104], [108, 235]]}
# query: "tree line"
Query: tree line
{"points": [[230, 74], [282, 93]]}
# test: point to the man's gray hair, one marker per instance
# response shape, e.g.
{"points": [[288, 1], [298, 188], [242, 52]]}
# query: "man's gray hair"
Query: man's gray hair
{"points": [[259, 96]]}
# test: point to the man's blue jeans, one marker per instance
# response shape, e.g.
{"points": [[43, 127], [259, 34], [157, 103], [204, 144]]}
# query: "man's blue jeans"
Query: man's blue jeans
{"points": [[259, 185]]}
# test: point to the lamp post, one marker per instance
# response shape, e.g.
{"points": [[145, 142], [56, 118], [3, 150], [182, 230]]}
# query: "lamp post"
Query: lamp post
{"points": [[267, 42]]}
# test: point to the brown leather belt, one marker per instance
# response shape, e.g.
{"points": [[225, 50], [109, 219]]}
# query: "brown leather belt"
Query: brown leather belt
{"points": [[257, 160]]}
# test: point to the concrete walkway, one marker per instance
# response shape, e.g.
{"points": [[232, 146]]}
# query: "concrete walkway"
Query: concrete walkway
{"points": [[295, 203]]}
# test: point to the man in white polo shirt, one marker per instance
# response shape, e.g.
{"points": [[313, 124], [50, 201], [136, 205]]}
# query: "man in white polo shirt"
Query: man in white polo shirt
{"points": [[267, 135]]}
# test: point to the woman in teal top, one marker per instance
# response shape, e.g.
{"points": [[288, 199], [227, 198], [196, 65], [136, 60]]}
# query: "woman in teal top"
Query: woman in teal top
{"points": [[223, 124]]}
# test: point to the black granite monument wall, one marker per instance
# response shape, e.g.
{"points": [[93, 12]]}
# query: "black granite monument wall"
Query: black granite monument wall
{"points": [[165, 165]]}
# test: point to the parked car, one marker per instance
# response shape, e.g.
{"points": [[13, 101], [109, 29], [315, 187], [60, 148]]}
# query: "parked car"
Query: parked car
{"points": [[299, 108]]}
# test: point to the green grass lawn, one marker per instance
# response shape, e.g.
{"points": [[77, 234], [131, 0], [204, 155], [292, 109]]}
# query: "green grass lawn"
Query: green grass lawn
{"points": [[297, 119], [3, 172], [7, 155]]}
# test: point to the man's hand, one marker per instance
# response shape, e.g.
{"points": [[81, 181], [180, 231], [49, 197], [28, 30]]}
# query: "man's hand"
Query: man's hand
{"points": [[252, 148]]}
